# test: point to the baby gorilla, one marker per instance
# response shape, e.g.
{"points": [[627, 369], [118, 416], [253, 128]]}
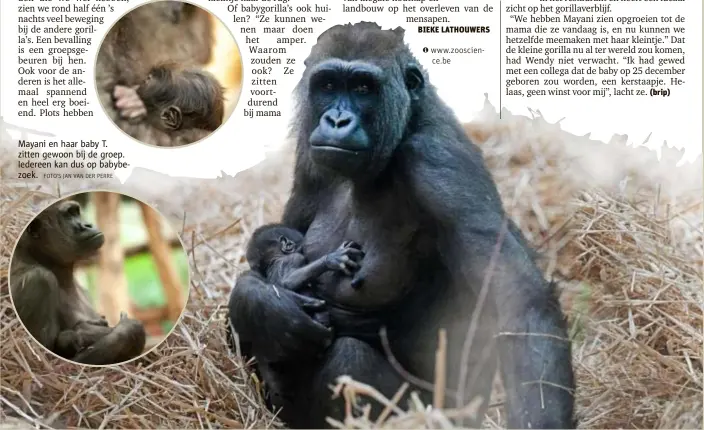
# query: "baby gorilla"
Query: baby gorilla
{"points": [[274, 252], [275, 256], [83, 334], [182, 99], [90, 339]]}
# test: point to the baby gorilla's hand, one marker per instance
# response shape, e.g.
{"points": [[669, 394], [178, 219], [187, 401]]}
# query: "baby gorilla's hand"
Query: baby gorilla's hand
{"points": [[128, 103], [346, 258]]}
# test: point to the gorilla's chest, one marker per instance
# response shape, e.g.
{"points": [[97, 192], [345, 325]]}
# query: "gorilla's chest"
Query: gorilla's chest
{"points": [[76, 307], [389, 233]]}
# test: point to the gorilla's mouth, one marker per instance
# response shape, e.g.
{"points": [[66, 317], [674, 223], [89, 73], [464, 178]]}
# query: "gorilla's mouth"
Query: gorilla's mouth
{"points": [[337, 147], [340, 157], [95, 240], [337, 141]]}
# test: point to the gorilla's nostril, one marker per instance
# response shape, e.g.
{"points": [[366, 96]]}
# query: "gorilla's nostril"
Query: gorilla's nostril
{"points": [[343, 122], [337, 120]]}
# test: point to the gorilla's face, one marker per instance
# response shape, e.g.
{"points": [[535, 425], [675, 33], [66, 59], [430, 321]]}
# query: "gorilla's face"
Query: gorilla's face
{"points": [[360, 113], [59, 235]]}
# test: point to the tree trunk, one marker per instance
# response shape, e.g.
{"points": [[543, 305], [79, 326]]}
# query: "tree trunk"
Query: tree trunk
{"points": [[112, 282], [161, 252]]}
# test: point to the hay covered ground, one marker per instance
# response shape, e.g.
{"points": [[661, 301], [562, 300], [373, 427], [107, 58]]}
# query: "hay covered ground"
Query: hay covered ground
{"points": [[621, 231]]}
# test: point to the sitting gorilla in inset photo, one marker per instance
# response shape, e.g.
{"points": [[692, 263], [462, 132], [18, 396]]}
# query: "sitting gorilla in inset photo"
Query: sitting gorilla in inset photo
{"points": [[51, 304], [383, 162]]}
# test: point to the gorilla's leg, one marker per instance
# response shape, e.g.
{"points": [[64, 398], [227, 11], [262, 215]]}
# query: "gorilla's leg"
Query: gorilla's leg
{"points": [[357, 359]]}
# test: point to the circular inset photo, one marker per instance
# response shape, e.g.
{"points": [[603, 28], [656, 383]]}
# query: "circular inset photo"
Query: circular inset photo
{"points": [[168, 73], [99, 278]]}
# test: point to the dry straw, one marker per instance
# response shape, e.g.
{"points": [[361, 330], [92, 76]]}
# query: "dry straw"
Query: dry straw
{"points": [[620, 231]]}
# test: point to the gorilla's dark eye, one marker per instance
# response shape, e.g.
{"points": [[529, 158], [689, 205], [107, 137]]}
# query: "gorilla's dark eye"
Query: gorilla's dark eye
{"points": [[364, 82], [74, 211], [328, 85], [361, 89], [287, 246]]}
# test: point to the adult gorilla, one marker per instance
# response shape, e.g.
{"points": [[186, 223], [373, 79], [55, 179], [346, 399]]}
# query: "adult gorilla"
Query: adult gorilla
{"points": [[383, 162]]}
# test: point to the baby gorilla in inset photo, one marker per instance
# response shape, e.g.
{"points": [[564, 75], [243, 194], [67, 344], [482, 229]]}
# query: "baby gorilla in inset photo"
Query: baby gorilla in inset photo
{"points": [[275, 252], [85, 341], [177, 99], [73, 340]]}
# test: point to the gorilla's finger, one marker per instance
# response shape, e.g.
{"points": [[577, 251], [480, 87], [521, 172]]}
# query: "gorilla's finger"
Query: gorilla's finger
{"points": [[354, 253], [313, 306], [118, 91], [352, 265], [137, 112], [352, 245], [308, 303]]}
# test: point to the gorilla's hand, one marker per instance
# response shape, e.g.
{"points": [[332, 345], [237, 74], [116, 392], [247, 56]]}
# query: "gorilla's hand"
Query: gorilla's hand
{"points": [[278, 322], [128, 103], [346, 258], [101, 321], [292, 329]]}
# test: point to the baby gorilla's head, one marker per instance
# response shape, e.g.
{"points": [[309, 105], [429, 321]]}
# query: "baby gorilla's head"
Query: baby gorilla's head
{"points": [[270, 242], [182, 99]]}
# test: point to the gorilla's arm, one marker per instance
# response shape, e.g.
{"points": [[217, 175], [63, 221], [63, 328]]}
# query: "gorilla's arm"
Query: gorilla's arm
{"points": [[300, 208], [35, 293], [296, 279], [273, 320], [344, 259], [455, 190]]}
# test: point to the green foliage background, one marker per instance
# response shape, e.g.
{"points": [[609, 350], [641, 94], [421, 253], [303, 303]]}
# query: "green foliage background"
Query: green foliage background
{"points": [[144, 284]]}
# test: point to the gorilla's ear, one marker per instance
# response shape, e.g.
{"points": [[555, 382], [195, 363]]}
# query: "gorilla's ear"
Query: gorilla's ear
{"points": [[171, 117], [415, 81]]}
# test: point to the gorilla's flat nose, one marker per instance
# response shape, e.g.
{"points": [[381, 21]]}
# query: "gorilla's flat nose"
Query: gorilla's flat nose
{"points": [[338, 119], [340, 128]]}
